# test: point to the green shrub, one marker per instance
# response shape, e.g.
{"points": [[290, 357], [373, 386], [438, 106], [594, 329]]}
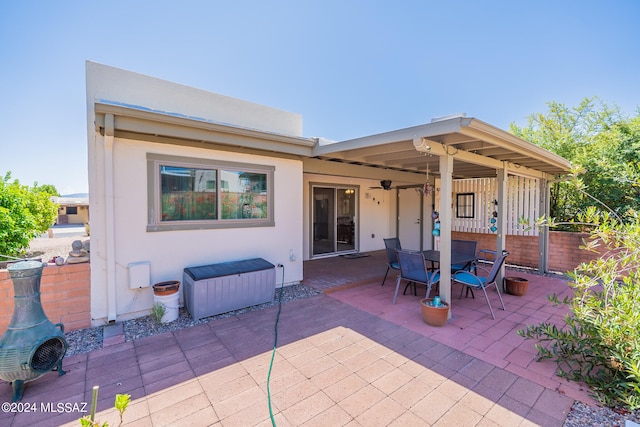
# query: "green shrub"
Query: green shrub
{"points": [[25, 213], [600, 341]]}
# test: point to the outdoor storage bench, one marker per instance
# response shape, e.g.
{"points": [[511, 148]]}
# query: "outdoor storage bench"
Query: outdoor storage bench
{"points": [[227, 286]]}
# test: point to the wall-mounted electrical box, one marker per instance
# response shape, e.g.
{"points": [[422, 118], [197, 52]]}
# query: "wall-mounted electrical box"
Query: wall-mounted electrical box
{"points": [[139, 274]]}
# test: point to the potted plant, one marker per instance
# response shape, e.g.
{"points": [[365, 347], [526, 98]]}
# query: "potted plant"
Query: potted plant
{"points": [[517, 286], [434, 311], [166, 295], [169, 287]]}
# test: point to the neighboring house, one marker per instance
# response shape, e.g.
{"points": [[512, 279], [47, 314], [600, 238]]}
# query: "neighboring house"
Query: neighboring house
{"points": [[72, 209], [181, 177]]}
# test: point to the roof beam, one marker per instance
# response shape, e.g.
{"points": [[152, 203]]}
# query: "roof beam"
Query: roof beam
{"points": [[432, 147]]}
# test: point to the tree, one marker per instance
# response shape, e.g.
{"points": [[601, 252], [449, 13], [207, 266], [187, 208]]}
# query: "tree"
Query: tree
{"points": [[597, 138], [25, 213], [46, 188], [613, 165]]}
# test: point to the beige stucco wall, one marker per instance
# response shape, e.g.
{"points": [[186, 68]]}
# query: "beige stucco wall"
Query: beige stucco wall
{"points": [[125, 87], [169, 252], [376, 214], [118, 188], [82, 217]]}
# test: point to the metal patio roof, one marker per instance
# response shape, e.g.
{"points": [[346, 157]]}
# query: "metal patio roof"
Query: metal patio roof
{"points": [[478, 150]]}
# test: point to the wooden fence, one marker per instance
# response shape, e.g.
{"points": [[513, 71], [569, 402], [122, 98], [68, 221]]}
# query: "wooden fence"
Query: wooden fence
{"points": [[522, 198]]}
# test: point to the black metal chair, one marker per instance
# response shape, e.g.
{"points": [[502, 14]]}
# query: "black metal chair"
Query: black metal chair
{"points": [[471, 280], [391, 245], [413, 269]]}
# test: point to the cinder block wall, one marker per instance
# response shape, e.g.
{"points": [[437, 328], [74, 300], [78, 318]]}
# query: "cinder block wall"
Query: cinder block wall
{"points": [[564, 249], [65, 293]]}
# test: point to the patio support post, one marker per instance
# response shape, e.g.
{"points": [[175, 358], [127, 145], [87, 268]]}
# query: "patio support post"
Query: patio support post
{"points": [[109, 126], [543, 244], [446, 211], [501, 243]]}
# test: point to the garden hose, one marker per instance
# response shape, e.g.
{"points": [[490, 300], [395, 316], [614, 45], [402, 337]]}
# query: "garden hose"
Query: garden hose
{"points": [[275, 344]]}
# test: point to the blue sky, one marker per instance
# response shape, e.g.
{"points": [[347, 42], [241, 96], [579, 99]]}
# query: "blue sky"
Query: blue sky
{"points": [[351, 68]]}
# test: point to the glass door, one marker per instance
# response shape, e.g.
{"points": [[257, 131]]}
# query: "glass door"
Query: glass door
{"points": [[333, 219]]}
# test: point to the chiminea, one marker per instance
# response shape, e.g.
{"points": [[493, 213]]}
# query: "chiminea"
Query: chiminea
{"points": [[32, 345]]}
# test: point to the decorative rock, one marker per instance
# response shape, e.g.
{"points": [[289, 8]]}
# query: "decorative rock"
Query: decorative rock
{"points": [[59, 260], [78, 254], [77, 259]]}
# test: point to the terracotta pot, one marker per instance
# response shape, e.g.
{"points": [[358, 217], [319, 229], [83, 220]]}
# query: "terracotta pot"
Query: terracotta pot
{"points": [[166, 288], [434, 316], [517, 286]]}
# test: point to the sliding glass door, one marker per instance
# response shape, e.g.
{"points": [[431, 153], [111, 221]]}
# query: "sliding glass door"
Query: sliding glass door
{"points": [[333, 213]]}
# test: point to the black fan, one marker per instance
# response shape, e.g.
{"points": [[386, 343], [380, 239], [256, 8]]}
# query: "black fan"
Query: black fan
{"points": [[385, 184]]}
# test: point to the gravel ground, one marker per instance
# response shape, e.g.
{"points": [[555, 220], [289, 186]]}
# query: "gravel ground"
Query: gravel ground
{"points": [[85, 340], [46, 248]]}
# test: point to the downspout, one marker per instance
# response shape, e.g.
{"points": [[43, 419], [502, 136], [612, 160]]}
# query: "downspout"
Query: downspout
{"points": [[109, 128]]}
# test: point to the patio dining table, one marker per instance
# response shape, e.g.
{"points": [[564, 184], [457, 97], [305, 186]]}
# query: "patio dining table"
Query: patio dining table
{"points": [[456, 258]]}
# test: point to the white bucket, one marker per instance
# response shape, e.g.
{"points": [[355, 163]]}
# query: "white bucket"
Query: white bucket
{"points": [[171, 305]]}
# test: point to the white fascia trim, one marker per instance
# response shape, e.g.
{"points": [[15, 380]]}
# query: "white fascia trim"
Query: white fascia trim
{"points": [[133, 118]]}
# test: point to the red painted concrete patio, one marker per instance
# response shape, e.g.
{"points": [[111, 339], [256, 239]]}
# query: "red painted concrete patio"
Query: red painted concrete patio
{"points": [[347, 357]]}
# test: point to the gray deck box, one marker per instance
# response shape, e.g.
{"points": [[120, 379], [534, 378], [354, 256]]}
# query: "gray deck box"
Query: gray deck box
{"points": [[227, 286]]}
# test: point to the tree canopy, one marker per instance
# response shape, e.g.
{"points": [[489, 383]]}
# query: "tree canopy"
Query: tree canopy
{"points": [[25, 213], [602, 144]]}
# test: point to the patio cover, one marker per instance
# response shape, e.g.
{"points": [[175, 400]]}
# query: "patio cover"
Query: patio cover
{"points": [[455, 147], [478, 150]]}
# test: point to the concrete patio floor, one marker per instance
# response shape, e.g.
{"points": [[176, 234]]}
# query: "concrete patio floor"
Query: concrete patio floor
{"points": [[347, 357]]}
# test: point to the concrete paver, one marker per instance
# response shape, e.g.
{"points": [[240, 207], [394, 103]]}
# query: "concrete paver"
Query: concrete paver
{"points": [[337, 363]]}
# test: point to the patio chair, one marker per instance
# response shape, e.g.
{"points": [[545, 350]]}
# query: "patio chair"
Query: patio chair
{"points": [[464, 247], [486, 256], [471, 280], [413, 270], [467, 247], [391, 245]]}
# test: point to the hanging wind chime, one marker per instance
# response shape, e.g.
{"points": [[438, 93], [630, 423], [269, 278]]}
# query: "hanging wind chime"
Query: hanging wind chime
{"points": [[493, 219], [426, 188]]}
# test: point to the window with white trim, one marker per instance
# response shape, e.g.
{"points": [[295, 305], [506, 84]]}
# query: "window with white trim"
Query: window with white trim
{"points": [[189, 193]]}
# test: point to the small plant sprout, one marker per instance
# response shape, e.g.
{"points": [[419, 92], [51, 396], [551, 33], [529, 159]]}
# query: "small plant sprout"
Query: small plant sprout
{"points": [[157, 312]]}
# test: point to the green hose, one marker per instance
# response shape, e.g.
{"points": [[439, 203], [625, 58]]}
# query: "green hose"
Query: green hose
{"points": [[273, 353]]}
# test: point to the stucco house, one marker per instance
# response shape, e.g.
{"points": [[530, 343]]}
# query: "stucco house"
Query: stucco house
{"points": [[180, 177], [72, 208]]}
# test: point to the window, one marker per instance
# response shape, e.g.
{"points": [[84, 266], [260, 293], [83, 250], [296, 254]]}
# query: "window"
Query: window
{"points": [[465, 205], [187, 193], [72, 210]]}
